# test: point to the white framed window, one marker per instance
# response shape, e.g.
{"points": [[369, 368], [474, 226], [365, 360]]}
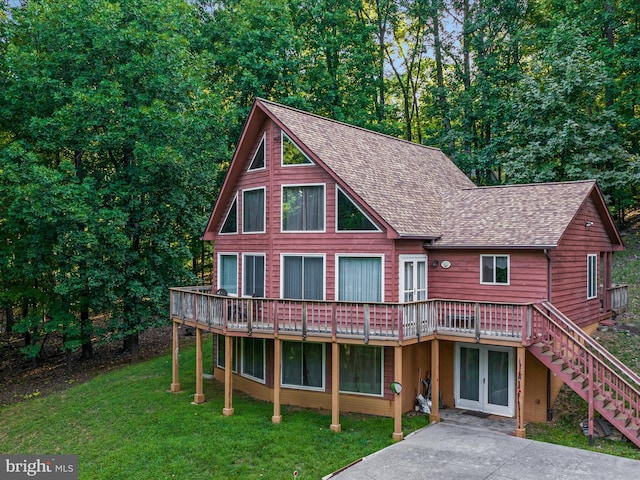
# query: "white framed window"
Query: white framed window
{"points": [[253, 275], [253, 358], [303, 208], [362, 369], [253, 210], [230, 224], [494, 269], [303, 365], [350, 217], [592, 276], [220, 352], [292, 155], [302, 276], [359, 278], [258, 162], [228, 272]]}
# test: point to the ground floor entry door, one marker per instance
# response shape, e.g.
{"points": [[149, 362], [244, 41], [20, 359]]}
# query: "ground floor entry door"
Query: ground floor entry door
{"points": [[485, 379]]}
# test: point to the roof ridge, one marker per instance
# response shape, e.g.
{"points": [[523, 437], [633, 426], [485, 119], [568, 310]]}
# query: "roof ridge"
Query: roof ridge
{"points": [[511, 185], [344, 124]]}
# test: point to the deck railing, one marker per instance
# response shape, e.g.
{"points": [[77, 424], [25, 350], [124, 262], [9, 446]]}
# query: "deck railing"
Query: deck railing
{"points": [[619, 298], [358, 320]]}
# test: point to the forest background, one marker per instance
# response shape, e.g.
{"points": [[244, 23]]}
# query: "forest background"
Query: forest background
{"points": [[118, 120]]}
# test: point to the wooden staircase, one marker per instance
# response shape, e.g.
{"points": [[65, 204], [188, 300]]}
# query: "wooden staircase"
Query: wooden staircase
{"points": [[605, 383]]}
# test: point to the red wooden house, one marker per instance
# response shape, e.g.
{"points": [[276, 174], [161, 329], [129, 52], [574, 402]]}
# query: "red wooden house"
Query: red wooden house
{"points": [[345, 260]]}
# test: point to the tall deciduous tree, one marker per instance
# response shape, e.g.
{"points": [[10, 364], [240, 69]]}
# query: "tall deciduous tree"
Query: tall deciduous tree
{"points": [[108, 101]]}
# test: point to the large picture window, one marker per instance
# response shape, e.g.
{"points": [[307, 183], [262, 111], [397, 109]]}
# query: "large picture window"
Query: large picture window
{"points": [[303, 277], [253, 211], [303, 208], [303, 365], [361, 368], [592, 276], [494, 269], [360, 279], [253, 284], [253, 358], [228, 272]]}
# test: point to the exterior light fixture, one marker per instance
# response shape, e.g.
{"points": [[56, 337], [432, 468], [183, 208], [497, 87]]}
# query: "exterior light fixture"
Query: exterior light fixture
{"points": [[396, 387], [435, 264], [588, 223]]}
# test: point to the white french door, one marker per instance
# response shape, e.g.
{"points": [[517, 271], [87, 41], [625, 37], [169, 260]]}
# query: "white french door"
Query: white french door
{"points": [[413, 278], [484, 379]]}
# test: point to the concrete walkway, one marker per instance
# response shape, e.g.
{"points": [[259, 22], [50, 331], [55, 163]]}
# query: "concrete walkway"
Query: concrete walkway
{"points": [[451, 451]]}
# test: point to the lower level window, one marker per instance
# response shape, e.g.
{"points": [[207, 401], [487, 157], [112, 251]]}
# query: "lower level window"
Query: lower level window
{"points": [[303, 365], [361, 369], [592, 276], [220, 352], [253, 358]]}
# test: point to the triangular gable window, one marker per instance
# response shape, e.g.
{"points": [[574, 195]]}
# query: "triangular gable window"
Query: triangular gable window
{"points": [[259, 158], [291, 153], [230, 224], [351, 217]]}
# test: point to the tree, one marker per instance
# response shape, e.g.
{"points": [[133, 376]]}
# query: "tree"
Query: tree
{"points": [[108, 98]]}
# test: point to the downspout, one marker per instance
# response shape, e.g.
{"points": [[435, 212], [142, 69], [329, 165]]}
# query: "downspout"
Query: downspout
{"points": [[549, 410]]}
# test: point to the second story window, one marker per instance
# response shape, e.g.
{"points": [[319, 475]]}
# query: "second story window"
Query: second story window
{"points": [[253, 211], [494, 269], [303, 208], [253, 274], [230, 224]]}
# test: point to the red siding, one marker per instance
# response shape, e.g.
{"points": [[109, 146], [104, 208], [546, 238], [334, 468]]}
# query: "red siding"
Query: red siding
{"points": [[569, 265], [273, 242], [528, 277]]}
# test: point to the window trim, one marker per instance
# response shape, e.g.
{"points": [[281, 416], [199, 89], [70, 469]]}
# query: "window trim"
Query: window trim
{"points": [[592, 276], [244, 269], [324, 206], [323, 365], [286, 165], [375, 224], [376, 395], [264, 211], [338, 256], [219, 271], [264, 360], [305, 255], [263, 140], [494, 282], [234, 202]]}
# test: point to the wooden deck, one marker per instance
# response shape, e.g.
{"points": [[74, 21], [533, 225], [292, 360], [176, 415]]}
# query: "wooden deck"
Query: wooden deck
{"points": [[357, 322]]}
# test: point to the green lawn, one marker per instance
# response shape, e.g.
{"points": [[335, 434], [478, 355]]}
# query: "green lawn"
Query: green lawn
{"points": [[126, 425]]}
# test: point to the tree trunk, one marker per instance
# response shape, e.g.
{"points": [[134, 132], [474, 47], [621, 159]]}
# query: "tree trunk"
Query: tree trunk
{"points": [[132, 345], [10, 318], [86, 332], [437, 47]]}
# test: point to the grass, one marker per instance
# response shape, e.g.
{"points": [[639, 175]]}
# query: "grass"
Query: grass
{"points": [[125, 424]]}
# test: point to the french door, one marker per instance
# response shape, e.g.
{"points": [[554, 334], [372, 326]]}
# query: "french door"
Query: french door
{"points": [[485, 379], [413, 278]]}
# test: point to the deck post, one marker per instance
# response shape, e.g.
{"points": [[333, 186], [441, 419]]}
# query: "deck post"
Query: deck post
{"points": [[199, 395], [228, 376], [335, 388], [397, 402], [520, 372], [175, 378], [434, 416], [277, 362]]}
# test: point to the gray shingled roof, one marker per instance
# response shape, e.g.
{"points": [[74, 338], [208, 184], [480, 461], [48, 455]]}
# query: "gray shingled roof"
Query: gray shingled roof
{"points": [[534, 215], [402, 181]]}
